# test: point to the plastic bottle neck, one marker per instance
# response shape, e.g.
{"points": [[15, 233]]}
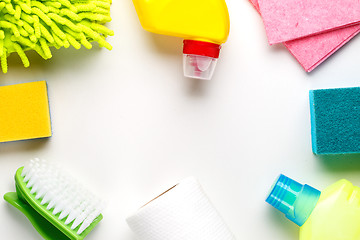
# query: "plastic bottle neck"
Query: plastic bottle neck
{"points": [[295, 200], [201, 48], [200, 59]]}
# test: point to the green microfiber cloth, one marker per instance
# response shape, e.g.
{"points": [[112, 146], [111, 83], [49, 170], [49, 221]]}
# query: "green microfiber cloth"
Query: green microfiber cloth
{"points": [[41, 24]]}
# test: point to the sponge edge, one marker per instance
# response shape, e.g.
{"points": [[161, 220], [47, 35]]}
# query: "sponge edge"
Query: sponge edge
{"points": [[335, 120], [24, 111], [313, 122]]}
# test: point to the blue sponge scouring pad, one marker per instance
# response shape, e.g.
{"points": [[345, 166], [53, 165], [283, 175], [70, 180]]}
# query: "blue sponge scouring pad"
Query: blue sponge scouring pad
{"points": [[335, 120]]}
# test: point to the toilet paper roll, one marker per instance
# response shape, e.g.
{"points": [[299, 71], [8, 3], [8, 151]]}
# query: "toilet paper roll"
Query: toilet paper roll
{"points": [[181, 213]]}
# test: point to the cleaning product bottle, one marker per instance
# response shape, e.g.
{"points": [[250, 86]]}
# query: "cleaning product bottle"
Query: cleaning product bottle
{"points": [[204, 24], [333, 214]]}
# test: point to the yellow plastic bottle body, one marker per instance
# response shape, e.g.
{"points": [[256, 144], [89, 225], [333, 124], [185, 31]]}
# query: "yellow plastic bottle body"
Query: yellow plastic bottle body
{"points": [[336, 215], [200, 20]]}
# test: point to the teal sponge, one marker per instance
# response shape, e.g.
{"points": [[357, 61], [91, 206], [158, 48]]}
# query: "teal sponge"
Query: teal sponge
{"points": [[335, 120]]}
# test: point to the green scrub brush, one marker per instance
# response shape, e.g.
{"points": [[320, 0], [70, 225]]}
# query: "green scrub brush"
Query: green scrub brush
{"points": [[56, 205], [41, 24]]}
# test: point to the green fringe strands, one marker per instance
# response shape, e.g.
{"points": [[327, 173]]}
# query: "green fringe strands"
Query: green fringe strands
{"points": [[40, 24]]}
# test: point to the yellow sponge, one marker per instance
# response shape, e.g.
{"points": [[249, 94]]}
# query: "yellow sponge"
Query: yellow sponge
{"points": [[24, 112]]}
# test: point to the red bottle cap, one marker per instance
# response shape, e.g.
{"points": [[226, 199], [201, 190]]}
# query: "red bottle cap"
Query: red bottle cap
{"points": [[202, 48]]}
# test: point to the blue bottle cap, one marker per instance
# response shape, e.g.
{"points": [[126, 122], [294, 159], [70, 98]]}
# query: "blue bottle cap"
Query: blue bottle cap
{"points": [[295, 200]]}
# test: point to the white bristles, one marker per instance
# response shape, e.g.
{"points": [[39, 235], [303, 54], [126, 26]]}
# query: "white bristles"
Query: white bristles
{"points": [[61, 194]]}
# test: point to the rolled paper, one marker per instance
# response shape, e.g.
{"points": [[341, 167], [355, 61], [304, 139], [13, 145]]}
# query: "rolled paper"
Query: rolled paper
{"points": [[183, 212]]}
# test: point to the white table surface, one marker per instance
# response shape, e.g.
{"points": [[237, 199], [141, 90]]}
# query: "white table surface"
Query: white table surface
{"points": [[130, 125]]}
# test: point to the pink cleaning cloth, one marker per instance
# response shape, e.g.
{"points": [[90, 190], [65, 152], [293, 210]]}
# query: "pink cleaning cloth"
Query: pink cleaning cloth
{"points": [[255, 3], [287, 20], [311, 51]]}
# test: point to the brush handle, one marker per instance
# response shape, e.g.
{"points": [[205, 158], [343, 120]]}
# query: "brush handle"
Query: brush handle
{"points": [[42, 226]]}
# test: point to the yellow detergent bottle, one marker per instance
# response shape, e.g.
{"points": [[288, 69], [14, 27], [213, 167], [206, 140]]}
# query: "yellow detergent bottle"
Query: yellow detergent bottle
{"points": [[333, 214], [204, 24]]}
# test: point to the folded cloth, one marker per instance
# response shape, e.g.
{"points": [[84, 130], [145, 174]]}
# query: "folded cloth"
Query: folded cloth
{"points": [[286, 20], [311, 51]]}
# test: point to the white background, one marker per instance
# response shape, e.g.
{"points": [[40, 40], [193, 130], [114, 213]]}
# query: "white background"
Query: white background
{"points": [[129, 125]]}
